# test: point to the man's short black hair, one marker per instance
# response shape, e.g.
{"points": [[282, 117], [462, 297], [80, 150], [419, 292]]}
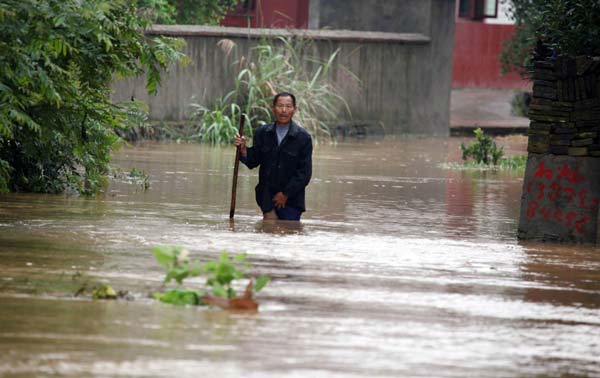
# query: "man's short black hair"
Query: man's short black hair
{"points": [[284, 94]]}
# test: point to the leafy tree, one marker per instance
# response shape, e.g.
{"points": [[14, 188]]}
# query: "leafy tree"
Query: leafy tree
{"points": [[567, 27], [57, 61], [159, 11], [517, 51], [205, 12]]}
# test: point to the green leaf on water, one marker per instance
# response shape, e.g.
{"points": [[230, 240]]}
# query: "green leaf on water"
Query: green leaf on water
{"points": [[237, 274], [178, 273], [166, 255], [261, 282], [219, 290], [196, 270], [220, 275], [180, 297], [231, 293], [104, 292], [211, 266]]}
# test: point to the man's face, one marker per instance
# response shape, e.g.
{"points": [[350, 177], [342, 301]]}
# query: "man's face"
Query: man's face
{"points": [[284, 110]]}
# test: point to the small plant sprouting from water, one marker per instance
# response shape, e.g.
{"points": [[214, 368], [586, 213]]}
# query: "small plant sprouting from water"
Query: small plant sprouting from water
{"points": [[135, 176], [221, 276], [486, 155], [517, 162], [483, 150], [141, 177]]}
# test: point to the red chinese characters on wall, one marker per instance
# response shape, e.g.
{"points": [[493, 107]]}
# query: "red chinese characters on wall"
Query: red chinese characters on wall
{"points": [[561, 195]]}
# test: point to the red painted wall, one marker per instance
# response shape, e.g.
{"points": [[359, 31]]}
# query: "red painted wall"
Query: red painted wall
{"points": [[273, 14], [476, 49]]}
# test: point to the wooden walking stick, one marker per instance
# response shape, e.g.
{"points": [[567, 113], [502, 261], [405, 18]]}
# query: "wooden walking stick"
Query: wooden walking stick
{"points": [[236, 165]]}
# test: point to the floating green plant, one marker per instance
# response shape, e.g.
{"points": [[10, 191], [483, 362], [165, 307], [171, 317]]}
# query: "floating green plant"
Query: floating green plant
{"points": [[483, 149], [484, 155], [221, 275], [104, 292]]}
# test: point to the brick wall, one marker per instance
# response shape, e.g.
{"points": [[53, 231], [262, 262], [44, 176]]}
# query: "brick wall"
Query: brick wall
{"points": [[561, 188]]}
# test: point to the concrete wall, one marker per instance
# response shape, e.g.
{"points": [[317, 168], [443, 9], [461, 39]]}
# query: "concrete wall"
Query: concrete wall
{"points": [[428, 69], [405, 77], [440, 71]]}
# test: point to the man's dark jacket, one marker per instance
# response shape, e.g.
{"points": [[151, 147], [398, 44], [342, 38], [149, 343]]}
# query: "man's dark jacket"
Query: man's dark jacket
{"points": [[283, 168]]}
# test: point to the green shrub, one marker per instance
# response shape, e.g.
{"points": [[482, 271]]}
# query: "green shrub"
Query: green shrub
{"points": [[482, 150], [519, 104]]}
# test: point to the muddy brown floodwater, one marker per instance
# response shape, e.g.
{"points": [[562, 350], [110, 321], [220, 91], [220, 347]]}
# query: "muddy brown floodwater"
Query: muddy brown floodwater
{"points": [[399, 268]]}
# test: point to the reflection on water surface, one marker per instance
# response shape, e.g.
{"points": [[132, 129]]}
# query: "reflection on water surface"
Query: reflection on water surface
{"points": [[399, 268]]}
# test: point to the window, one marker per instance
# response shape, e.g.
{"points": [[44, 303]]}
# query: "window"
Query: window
{"points": [[464, 9], [477, 9], [491, 9]]}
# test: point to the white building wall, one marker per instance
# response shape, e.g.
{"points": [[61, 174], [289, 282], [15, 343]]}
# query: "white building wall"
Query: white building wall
{"points": [[504, 17]]}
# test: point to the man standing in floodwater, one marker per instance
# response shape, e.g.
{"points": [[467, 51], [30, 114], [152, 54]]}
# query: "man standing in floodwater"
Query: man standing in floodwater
{"points": [[283, 150]]}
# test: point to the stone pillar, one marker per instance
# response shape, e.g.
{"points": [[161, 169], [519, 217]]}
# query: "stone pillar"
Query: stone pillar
{"points": [[561, 188]]}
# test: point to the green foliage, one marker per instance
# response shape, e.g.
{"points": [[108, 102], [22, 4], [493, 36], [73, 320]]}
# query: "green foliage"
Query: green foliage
{"points": [[261, 282], [176, 262], [220, 275], [5, 171], [205, 12], [136, 114], [180, 297], [140, 177], [104, 292], [222, 272], [517, 51], [516, 163], [216, 126], [57, 61], [568, 27], [482, 150], [157, 11], [135, 172], [274, 66], [135, 177], [519, 104]]}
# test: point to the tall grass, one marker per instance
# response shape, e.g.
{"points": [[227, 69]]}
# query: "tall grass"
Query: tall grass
{"points": [[274, 66], [218, 125]]}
